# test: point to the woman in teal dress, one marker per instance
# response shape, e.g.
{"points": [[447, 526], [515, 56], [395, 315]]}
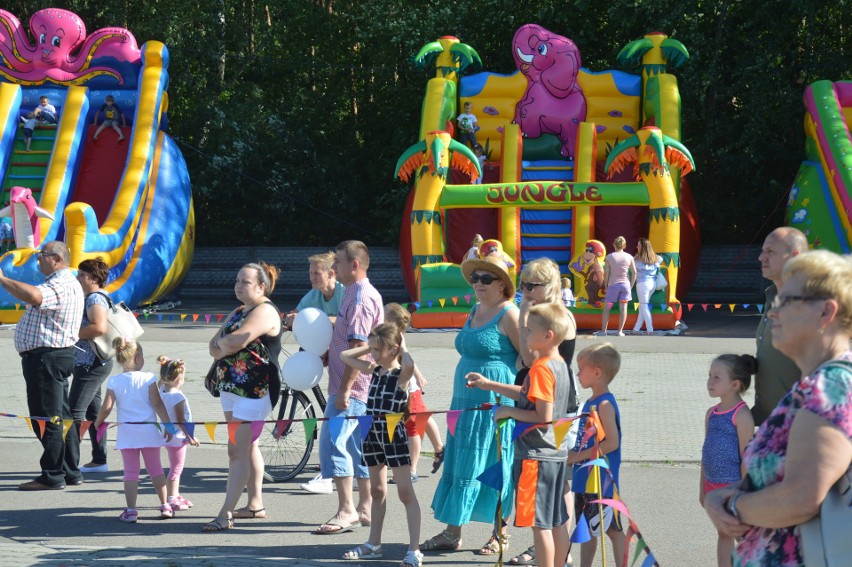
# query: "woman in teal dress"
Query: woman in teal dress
{"points": [[488, 344]]}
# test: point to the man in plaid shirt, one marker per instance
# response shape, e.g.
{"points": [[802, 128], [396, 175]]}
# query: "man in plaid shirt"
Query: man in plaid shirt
{"points": [[45, 338]]}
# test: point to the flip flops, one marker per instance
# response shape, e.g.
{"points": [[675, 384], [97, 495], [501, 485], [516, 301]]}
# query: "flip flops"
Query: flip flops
{"points": [[248, 514], [344, 527]]}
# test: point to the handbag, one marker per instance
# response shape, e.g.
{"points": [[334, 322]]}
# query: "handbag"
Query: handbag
{"points": [[211, 381], [824, 540], [120, 323], [660, 282]]}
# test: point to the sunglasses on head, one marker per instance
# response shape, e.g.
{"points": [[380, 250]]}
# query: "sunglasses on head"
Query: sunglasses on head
{"points": [[485, 279], [529, 286]]}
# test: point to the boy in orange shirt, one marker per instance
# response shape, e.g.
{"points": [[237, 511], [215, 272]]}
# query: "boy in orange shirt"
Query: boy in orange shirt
{"points": [[540, 466]]}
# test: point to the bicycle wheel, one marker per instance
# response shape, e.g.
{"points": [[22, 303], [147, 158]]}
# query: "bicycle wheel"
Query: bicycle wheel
{"points": [[286, 455]]}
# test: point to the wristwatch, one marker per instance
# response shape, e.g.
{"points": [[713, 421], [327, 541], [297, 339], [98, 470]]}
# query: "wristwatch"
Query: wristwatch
{"points": [[732, 505]]}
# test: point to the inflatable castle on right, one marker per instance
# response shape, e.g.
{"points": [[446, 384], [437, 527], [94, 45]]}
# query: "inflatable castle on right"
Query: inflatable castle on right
{"points": [[574, 158]]}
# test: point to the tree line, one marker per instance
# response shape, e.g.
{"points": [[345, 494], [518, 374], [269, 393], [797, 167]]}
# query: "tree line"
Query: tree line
{"points": [[291, 114]]}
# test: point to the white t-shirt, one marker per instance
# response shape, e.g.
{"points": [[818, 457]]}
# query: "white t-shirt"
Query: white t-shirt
{"points": [[467, 122], [171, 400], [132, 404]]}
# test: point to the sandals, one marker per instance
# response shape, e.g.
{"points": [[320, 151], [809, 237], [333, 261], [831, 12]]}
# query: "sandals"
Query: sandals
{"points": [[129, 516], [492, 547], [166, 511], [249, 514], [363, 551], [412, 558], [439, 460], [442, 541], [525, 558], [218, 525]]}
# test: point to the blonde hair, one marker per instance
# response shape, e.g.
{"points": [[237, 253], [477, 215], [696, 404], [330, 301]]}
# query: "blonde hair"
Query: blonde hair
{"points": [[126, 350], [398, 315], [603, 356], [477, 240], [825, 274], [553, 317], [324, 260], [170, 370], [546, 271], [566, 283], [619, 243], [387, 334]]}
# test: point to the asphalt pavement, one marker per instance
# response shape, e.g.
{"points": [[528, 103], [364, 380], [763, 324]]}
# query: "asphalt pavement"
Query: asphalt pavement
{"points": [[660, 389]]}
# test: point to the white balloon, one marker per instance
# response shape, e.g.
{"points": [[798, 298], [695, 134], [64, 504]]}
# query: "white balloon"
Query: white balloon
{"points": [[302, 371], [313, 330]]}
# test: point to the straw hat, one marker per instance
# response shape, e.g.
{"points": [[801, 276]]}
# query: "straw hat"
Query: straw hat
{"points": [[494, 266]]}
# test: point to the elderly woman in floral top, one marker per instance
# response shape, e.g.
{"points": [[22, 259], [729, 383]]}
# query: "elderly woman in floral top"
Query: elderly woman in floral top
{"points": [[804, 447]]}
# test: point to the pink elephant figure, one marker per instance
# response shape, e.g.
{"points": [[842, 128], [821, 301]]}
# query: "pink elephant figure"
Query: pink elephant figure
{"points": [[553, 102]]}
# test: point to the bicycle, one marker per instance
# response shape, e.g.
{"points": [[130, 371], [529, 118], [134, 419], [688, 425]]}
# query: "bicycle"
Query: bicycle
{"points": [[286, 452]]}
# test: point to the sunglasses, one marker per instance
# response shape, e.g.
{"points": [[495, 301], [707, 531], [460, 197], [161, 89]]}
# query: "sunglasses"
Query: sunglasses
{"points": [[530, 286], [485, 279]]}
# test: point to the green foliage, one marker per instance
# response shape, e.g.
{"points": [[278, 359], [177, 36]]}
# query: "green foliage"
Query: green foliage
{"points": [[292, 114]]}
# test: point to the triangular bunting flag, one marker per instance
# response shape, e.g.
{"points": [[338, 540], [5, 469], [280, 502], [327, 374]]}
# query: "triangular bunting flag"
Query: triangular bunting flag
{"points": [[650, 561], [635, 306], [640, 545], [171, 428], [420, 421], [759, 308], [455, 300], [521, 428], [493, 476], [194, 317], [29, 423], [599, 462], [66, 425], [364, 424], [593, 486], [467, 297], [393, 421], [84, 428], [717, 305], [442, 301], [581, 532], [219, 317], [159, 316], [689, 306], [102, 431], [190, 429], [281, 426], [452, 419], [211, 430], [182, 316], [731, 307], [256, 430], [617, 504], [41, 425], [310, 426], [207, 317], [746, 305], [560, 430], [335, 427], [232, 431]]}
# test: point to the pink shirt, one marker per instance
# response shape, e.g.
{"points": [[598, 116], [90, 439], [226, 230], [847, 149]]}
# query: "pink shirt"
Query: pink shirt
{"points": [[619, 264], [360, 311]]}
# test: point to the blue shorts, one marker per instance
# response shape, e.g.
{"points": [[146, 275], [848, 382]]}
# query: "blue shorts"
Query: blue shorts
{"points": [[342, 458]]}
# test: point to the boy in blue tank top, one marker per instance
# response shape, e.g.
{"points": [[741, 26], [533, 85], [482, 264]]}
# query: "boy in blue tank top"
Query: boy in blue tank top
{"points": [[598, 364]]}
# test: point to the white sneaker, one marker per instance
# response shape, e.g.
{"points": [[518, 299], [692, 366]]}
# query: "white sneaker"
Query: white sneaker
{"points": [[94, 468], [319, 485]]}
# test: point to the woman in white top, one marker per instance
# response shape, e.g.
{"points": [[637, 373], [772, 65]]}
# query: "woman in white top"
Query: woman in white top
{"points": [[647, 265]]}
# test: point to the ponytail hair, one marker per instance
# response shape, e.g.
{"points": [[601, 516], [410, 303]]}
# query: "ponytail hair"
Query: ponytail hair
{"points": [[267, 274], [170, 370], [742, 366], [125, 350]]}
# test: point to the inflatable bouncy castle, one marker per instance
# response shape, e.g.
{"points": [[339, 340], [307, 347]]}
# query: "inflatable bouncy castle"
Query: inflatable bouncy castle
{"points": [[127, 201], [820, 203], [572, 157]]}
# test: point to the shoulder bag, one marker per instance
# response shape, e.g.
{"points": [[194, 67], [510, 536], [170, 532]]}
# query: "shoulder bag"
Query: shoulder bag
{"points": [[824, 540], [120, 323]]}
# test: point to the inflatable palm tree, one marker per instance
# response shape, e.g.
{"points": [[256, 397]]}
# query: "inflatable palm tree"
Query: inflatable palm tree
{"points": [[653, 155], [433, 157]]}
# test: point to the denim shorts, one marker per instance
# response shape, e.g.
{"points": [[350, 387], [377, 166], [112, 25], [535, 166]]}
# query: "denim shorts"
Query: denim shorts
{"points": [[342, 457]]}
